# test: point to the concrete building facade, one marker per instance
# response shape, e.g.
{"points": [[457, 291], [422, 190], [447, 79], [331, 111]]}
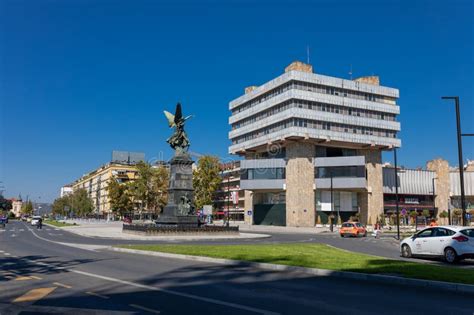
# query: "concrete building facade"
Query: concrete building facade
{"points": [[312, 146]]}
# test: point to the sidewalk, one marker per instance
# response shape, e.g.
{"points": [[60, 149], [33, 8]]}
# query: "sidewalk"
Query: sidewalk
{"points": [[113, 229]]}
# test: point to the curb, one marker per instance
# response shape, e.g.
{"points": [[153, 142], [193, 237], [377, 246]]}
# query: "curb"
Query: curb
{"points": [[447, 286]]}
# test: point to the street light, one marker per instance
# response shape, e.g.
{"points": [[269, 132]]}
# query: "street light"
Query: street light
{"points": [[332, 204], [396, 192], [461, 165], [434, 196]]}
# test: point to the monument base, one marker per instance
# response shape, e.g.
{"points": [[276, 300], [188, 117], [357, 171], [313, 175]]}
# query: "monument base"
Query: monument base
{"points": [[179, 221]]}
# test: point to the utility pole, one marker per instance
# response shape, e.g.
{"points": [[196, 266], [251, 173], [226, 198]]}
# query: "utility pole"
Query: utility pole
{"points": [[332, 204], [396, 193], [461, 164]]}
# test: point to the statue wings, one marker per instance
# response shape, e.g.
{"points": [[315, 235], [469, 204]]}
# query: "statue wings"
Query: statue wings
{"points": [[173, 120]]}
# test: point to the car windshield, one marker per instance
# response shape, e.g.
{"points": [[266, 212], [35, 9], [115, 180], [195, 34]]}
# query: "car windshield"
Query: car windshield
{"points": [[347, 225], [468, 232], [359, 225]]}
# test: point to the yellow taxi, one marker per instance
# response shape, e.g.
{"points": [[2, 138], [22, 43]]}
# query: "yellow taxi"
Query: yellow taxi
{"points": [[355, 229]]}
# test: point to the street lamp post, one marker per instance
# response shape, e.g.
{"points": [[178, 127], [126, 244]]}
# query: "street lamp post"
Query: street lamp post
{"points": [[461, 165], [332, 204], [434, 196], [396, 192]]}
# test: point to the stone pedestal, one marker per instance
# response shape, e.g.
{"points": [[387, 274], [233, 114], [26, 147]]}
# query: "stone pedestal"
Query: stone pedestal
{"points": [[180, 208]]}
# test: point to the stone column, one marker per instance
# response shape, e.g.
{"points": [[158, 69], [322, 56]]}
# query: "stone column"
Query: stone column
{"points": [[300, 204], [441, 167], [371, 203], [248, 206]]}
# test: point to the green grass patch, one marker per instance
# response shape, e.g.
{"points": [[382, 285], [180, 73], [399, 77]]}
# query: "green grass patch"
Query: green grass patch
{"points": [[318, 256], [58, 223]]}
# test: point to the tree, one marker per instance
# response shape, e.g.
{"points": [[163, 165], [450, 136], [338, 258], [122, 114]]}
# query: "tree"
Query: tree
{"points": [[27, 208], [150, 189], [81, 203], [119, 197], [140, 188], [159, 189], [426, 213], [61, 206], [206, 180], [5, 204]]}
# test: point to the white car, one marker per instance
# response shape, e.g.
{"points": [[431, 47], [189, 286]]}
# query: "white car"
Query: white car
{"points": [[35, 220], [453, 243]]}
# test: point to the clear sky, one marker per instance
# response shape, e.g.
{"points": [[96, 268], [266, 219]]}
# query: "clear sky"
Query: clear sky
{"points": [[81, 78]]}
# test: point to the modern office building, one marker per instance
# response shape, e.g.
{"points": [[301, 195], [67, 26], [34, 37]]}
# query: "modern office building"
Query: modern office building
{"points": [[307, 138]]}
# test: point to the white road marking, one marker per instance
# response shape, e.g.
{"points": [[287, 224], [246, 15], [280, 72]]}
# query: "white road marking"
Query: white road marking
{"points": [[7, 254], [1, 251], [21, 230], [98, 295], [13, 235], [158, 289], [149, 310]]}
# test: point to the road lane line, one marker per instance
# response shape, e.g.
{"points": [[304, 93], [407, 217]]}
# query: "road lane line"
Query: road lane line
{"points": [[97, 294], [59, 284], [22, 278], [34, 295], [158, 289], [149, 310], [35, 277]]}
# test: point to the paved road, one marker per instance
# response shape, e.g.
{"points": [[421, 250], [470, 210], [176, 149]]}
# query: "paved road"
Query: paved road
{"points": [[385, 247], [40, 276]]}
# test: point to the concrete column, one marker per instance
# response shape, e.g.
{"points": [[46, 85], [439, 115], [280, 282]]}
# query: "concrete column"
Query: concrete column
{"points": [[248, 206], [300, 203], [441, 167], [371, 203]]}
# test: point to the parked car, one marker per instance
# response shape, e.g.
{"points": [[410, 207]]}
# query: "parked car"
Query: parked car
{"points": [[355, 229], [452, 243], [35, 219], [127, 220]]}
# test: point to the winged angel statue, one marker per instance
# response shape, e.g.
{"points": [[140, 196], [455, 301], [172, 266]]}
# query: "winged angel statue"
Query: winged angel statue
{"points": [[179, 140]]}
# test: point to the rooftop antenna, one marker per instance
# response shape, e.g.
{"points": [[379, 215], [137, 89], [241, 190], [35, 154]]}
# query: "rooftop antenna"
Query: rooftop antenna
{"points": [[307, 54], [350, 72]]}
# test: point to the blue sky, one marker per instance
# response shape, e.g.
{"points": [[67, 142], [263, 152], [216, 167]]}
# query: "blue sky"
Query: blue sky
{"points": [[81, 78]]}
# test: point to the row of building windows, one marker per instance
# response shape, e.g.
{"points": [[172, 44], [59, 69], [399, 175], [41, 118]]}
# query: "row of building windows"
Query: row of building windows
{"points": [[314, 124], [319, 172], [317, 88], [263, 173], [339, 171], [343, 110]]}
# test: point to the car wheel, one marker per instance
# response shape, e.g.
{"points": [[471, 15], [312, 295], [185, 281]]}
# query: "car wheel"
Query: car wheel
{"points": [[365, 234], [342, 235], [406, 251], [450, 255]]}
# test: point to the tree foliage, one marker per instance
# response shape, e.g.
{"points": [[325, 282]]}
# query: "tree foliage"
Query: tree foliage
{"points": [[148, 192], [78, 203], [5, 204], [206, 180], [27, 208], [119, 197]]}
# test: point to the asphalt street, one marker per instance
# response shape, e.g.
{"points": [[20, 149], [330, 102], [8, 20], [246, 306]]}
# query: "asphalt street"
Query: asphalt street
{"points": [[45, 272]]}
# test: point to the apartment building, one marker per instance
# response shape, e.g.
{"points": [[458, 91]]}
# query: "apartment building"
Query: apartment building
{"points": [[229, 196], [307, 138], [96, 182]]}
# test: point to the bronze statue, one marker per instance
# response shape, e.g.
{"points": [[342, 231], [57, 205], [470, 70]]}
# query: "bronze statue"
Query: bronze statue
{"points": [[179, 140]]}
